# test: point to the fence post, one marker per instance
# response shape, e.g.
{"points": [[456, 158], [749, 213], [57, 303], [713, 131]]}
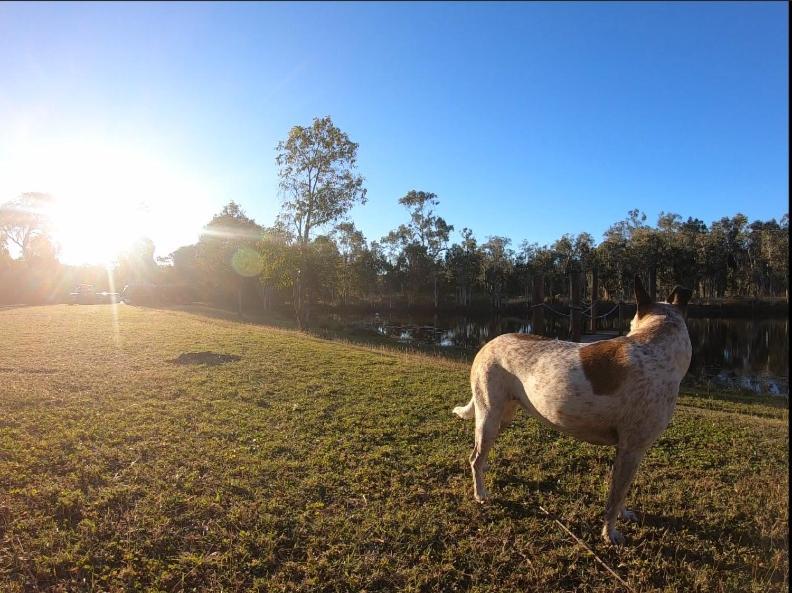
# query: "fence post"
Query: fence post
{"points": [[537, 313], [621, 318], [575, 316], [594, 292]]}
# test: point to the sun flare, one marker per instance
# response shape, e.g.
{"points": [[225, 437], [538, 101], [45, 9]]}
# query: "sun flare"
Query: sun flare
{"points": [[90, 232], [106, 197]]}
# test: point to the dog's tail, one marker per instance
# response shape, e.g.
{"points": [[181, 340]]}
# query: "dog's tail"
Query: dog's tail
{"points": [[466, 412]]}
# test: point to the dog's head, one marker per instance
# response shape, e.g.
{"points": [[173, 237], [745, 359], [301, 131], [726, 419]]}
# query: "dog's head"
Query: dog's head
{"points": [[650, 313]]}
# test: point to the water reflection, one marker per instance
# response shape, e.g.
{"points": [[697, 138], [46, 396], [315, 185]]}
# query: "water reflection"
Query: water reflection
{"points": [[747, 354]]}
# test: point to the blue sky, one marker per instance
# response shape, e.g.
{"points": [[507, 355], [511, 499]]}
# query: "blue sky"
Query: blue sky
{"points": [[528, 120]]}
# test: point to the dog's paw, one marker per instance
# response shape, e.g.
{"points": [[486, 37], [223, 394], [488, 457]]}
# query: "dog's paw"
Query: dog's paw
{"points": [[611, 535], [628, 515], [482, 497]]}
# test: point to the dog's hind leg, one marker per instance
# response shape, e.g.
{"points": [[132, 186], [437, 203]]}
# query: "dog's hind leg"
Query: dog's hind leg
{"points": [[488, 422], [624, 468], [487, 428]]}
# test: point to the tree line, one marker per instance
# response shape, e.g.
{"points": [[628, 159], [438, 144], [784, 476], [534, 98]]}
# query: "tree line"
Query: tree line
{"points": [[313, 254]]}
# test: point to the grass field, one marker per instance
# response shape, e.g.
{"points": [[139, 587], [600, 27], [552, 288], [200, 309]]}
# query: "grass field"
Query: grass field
{"points": [[312, 465]]}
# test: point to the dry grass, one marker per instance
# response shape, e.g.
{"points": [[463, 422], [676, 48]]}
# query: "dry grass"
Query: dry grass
{"points": [[310, 465]]}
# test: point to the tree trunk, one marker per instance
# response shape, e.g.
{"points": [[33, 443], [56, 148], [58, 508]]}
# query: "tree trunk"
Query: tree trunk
{"points": [[575, 284], [594, 295], [537, 316], [653, 281], [297, 298]]}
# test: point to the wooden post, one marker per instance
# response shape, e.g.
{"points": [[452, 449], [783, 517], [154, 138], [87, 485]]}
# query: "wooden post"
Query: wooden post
{"points": [[537, 313], [621, 318], [575, 317], [594, 294]]}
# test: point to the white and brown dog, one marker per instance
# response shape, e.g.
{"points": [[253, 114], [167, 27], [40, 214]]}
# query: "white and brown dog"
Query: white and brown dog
{"points": [[614, 392]]}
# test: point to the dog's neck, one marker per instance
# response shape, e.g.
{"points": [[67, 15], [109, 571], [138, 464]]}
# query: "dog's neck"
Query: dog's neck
{"points": [[668, 336], [657, 328]]}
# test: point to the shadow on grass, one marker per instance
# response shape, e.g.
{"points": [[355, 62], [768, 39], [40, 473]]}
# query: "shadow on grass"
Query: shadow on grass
{"points": [[739, 535]]}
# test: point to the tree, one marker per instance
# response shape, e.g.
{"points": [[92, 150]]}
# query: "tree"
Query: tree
{"points": [[351, 245], [319, 186], [24, 219], [463, 266], [279, 261], [227, 254], [573, 254], [679, 246], [360, 265], [185, 265], [42, 269], [136, 263], [613, 257], [426, 233], [729, 235], [498, 264]]}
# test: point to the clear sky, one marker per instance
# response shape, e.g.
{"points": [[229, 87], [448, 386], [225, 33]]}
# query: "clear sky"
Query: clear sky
{"points": [[528, 120]]}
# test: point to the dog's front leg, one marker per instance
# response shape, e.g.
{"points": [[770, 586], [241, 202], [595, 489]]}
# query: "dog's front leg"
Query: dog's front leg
{"points": [[624, 468]]}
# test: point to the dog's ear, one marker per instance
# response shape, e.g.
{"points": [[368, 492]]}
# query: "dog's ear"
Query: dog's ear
{"points": [[680, 296], [642, 297]]}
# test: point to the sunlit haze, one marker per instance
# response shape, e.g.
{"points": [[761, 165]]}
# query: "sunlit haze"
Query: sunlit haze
{"points": [[107, 196]]}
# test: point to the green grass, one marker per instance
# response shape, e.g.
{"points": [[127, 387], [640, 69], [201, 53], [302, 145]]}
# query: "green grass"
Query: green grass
{"points": [[312, 465]]}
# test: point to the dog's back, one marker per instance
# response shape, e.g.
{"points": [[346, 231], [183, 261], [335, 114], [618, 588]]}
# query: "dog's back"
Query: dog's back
{"points": [[590, 391]]}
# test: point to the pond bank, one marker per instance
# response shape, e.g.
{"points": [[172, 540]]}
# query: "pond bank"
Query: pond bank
{"points": [[775, 308], [736, 355]]}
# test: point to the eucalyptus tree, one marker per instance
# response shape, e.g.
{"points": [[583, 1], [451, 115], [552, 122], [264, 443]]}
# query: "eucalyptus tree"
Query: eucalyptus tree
{"points": [[729, 235], [768, 256], [319, 185], [351, 246], [683, 243], [25, 218], [425, 236], [677, 264], [279, 262], [371, 270], [573, 254], [780, 255], [613, 257], [325, 267], [463, 264], [525, 266], [226, 253], [136, 263], [498, 263]]}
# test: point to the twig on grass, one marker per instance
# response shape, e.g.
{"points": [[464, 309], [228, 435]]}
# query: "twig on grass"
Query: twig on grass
{"points": [[590, 551]]}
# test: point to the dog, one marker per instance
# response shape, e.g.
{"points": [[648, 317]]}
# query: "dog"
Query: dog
{"points": [[618, 392]]}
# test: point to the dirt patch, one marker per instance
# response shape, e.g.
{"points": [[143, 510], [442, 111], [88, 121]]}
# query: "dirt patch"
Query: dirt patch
{"points": [[208, 358]]}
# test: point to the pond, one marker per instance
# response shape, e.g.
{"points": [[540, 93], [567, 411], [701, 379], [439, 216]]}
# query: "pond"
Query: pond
{"points": [[741, 354]]}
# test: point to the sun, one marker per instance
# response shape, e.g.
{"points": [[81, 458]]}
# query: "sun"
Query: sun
{"points": [[106, 196], [88, 231]]}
